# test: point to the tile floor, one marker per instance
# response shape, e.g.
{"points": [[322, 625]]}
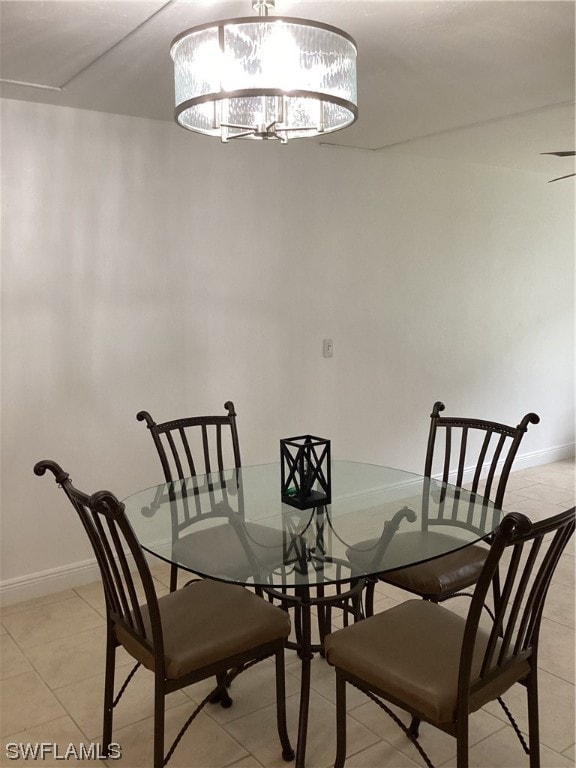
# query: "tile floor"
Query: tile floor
{"points": [[52, 661]]}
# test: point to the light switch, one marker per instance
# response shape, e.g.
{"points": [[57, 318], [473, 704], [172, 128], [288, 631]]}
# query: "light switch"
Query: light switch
{"points": [[328, 348]]}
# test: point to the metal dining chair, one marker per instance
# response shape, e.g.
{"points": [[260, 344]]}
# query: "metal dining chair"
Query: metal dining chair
{"points": [[205, 629], [193, 447], [475, 452], [441, 667]]}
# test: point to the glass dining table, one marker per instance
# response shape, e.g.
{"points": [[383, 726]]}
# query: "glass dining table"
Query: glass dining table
{"points": [[232, 526]]}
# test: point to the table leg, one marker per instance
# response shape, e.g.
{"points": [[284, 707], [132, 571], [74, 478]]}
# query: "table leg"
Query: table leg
{"points": [[306, 656], [302, 604]]}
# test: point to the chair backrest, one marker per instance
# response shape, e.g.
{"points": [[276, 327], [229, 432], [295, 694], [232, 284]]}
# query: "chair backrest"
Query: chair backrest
{"points": [[519, 584], [191, 448], [113, 541], [476, 452], [195, 445]]}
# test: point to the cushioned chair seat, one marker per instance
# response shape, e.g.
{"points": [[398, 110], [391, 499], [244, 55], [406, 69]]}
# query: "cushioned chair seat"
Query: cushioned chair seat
{"points": [[448, 573], [199, 547], [220, 620], [390, 652], [441, 574]]}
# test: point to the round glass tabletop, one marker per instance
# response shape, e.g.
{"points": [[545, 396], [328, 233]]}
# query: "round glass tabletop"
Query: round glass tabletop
{"points": [[233, 525]]}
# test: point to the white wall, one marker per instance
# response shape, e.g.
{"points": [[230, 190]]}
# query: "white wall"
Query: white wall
{"points": [[143, 267]]}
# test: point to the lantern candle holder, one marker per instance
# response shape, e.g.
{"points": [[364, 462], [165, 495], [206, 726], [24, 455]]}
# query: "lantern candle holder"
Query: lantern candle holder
{"points": [[305, 471]]}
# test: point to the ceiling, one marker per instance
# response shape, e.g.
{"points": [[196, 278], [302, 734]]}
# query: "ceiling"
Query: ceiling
{"points": [[488, 81]]}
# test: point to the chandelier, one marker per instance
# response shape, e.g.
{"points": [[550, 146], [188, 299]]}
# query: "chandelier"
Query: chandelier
{"points": [[264, 77]]}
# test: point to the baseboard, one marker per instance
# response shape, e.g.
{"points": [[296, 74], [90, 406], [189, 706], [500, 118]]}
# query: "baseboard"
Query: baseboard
{"points": [[526, 461], [546, 456], [47, 582], [75, 575], [43, 583]]}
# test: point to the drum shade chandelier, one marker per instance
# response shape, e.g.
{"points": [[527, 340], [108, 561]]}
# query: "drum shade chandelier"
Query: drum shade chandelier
{"points": [[264, 77]]}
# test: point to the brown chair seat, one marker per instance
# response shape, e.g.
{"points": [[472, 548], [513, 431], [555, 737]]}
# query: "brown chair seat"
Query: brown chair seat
{"points": [[448, 573], [222, 620], [412, 652], [265, 545], [442, 573]]}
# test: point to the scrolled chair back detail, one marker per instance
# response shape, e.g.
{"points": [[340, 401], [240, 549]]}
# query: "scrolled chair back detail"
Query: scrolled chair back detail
{"points": [[489, 447], [114, 543]]}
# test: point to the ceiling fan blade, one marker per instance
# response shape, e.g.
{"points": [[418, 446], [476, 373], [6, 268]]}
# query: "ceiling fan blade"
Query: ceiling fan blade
{"points": [[570, 153], [562, 177]]}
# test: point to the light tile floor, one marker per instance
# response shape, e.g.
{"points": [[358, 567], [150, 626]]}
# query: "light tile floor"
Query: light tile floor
{"points": [[52, 661]]}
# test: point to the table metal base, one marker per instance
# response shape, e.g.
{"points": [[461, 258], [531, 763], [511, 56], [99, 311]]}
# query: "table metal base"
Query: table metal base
{"points": [[349, 601]]}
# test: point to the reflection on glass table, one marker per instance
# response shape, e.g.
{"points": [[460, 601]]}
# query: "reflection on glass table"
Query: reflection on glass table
{"points": [[232, 526]]}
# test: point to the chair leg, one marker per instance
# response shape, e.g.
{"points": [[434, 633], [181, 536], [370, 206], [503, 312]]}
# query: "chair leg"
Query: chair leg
{"points": [[324, 624], [222, 694], [357, 608], [533, 719], [287, 751], [369, 598], [298, 629], [414, 727], [225, 700], [159, 706], [462, 742], [340, 721], [173, 577], [108, 690]]}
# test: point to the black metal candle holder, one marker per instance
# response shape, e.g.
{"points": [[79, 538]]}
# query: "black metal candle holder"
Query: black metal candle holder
{"points": [[305, 467]]}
